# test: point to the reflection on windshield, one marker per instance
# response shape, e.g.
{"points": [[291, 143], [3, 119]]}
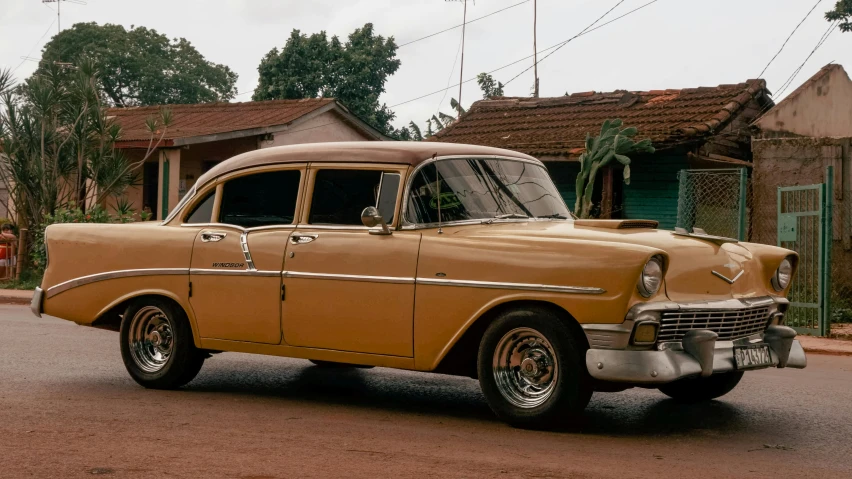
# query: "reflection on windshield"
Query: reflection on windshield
{"points": [[483, 189]]}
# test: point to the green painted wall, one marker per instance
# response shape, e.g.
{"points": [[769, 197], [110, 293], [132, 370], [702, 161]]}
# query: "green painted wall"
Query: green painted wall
{"points": [[651, 194], [564, 174]]}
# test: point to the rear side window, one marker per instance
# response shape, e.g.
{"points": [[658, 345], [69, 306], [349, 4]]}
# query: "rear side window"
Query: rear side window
{"points": [[341, 195], [261, 199], [203, 210]]}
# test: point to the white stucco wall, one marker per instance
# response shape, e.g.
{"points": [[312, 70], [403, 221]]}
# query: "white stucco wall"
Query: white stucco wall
{"points": [[823, 109], [320, 129]]}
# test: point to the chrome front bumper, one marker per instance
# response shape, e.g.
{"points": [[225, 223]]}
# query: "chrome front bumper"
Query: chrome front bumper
{"points": [[36, 302], [701, 357]]}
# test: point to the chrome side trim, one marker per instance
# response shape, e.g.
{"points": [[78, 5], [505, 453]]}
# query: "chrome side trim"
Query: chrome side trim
{"points": [[238, 228], [333, 227], [232, 272], [246, 253], [124, 273], [348, 277], [517, 286]]}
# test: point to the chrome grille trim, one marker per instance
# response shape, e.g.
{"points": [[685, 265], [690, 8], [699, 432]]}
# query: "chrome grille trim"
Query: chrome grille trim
{"points": [[729, 324]]}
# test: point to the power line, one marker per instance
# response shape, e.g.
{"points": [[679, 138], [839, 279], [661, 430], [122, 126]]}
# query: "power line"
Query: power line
{"points": [[462, 24], [568, 41], [822, 40], [34, 46], [789, 37], [526, 57]]}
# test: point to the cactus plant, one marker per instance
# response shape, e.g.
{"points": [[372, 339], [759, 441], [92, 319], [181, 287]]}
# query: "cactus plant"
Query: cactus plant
{"points": [[613, 144]]}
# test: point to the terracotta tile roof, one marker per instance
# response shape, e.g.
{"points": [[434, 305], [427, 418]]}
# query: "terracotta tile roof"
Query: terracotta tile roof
{"points": [[558, 126], [213, 118]]}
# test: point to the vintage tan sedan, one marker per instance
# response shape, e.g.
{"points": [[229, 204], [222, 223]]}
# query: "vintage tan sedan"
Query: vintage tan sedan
{"points": [[434, 257]]}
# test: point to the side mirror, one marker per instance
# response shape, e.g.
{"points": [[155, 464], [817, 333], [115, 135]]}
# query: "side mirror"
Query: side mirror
{"points": [[371, 218]]}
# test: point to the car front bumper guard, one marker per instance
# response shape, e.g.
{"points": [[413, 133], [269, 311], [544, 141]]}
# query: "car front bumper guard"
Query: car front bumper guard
{"points": [[701, 355]]}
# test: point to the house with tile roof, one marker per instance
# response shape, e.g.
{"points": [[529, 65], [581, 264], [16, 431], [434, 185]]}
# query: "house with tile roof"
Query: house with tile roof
{"points": [[793, 143], [706, 127], [202, 135]]}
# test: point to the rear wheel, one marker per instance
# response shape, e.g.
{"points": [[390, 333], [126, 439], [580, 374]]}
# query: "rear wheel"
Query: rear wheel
{"points": [[157, 345], [532, 370], [698, 389]]}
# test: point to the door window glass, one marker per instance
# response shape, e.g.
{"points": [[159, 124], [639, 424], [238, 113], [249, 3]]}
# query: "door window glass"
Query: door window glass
{"points": [[261, 199], [203, 211], [388, 190], [341, 195]]}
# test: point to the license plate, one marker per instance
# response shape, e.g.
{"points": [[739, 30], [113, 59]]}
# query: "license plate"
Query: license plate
{"points": [[754, 356]]}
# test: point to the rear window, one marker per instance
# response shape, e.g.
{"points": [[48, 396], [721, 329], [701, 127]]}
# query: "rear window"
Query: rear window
{"points": [[261, 199]]}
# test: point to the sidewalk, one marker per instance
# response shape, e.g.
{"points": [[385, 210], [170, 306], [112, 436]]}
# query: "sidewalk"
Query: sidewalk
{"points": [[15, 296], [831, 346]]}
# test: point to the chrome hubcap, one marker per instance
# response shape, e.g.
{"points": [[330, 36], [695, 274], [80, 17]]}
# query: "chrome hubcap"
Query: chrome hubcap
{"points": [[525, 367], [151, 339]]}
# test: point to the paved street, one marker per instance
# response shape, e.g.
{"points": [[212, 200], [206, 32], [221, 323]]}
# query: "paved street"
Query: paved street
{"points": [[68, 409]]}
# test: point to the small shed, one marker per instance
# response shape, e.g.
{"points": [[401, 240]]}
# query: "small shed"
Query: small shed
{"points": [[203, 135], [705, 127]]}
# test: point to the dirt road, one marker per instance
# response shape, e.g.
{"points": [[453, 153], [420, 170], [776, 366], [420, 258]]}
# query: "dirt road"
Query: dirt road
{"points": [[68, 409]]}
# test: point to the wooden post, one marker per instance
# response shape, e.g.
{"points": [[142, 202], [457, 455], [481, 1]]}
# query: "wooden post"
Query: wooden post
{"points": [[22, 247], [606, 193]]}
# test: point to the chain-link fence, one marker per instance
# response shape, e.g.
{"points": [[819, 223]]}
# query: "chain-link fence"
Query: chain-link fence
{"points": [[714, 200], [729, 203]]}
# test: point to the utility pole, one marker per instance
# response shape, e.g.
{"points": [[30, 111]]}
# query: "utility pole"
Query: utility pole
{"points": [[461, 69], [58, 8], [535, 48]]}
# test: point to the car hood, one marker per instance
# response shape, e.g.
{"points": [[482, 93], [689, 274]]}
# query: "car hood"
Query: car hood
{"points": [[691, 261]]}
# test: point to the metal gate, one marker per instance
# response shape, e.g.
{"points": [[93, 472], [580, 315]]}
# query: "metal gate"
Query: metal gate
{"points": [[804, 226]]}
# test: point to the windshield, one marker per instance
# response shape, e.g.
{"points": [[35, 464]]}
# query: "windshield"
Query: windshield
{"points": [[483, 189]]}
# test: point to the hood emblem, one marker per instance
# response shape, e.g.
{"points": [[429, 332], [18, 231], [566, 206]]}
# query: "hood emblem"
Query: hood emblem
{"points": [[725, 278]]}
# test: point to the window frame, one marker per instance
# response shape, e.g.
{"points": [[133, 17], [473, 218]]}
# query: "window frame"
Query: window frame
{"points": [[405, 224], [219, 185], [308, 196]]}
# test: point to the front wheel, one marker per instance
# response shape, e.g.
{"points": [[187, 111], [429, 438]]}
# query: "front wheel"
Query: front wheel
{"points": [[532, 369], [157, 345], [699, 389]]}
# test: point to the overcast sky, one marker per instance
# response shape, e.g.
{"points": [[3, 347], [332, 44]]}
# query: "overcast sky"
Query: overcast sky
{"points": [[669, 44]]}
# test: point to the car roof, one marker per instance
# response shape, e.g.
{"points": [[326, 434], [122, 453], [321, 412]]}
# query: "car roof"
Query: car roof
{"points": [[389, 152]]}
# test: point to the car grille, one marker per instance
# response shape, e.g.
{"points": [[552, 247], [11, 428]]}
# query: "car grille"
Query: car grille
{"points": [[728, 324]]}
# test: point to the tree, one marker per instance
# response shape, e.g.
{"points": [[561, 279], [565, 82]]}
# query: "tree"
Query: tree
{"points": [[315, 66], [56, 138], [612, 144], [489, 86], [141, 66], [843, 13]]}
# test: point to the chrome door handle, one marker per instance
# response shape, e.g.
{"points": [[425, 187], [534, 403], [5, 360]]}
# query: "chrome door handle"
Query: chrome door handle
{"points": [[214, 236], [298, 238]]}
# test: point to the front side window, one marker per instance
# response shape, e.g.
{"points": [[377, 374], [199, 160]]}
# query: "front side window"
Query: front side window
{"points": [[203, 211], [341, 195], [261, 199], [482, 189]]}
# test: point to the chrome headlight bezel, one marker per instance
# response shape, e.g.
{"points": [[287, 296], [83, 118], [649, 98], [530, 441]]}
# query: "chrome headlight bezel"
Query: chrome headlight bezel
{"points": [[783, 275], [652, 273]]}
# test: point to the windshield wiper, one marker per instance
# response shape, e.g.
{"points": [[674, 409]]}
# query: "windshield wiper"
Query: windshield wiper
{"points": [[506, 216], [556, 216]]}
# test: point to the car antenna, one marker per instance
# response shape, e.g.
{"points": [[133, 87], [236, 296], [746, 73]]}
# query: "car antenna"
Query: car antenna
{"points": [[438, 186]]}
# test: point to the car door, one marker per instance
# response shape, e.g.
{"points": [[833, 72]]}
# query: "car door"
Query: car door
{"points": [[348, 289], [235, 272]]}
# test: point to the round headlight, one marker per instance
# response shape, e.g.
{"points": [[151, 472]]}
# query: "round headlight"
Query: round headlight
{"points": [[652, 277], [783, 275]]}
